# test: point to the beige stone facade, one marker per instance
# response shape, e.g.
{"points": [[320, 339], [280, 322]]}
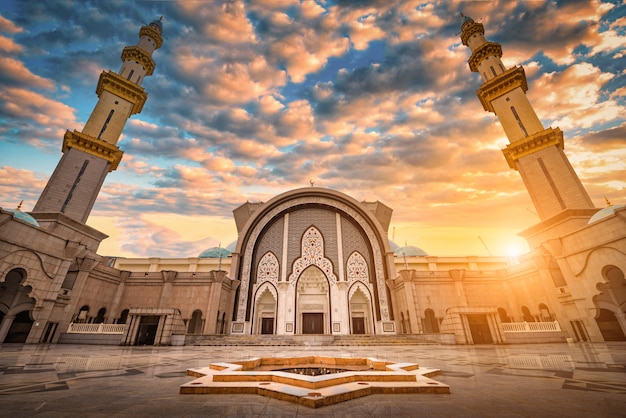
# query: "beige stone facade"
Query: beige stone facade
{"points": [[315, 261]]}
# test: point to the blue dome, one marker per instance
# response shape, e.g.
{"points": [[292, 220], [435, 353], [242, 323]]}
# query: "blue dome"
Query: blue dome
{"points": [[393, 246], [232, 246], [410, 251], [605, 213], [215, 252], [23, 216]]}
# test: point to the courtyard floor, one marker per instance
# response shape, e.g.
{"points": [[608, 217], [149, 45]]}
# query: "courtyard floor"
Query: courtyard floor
{"points": [[543, 380]]}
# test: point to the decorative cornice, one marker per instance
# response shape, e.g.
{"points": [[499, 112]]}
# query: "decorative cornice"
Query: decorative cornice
{"points": [[152, 33], [134, 53], [485, 50], [470, 28], [124, 89], [93, 146], [504, 83], [531, 144]]}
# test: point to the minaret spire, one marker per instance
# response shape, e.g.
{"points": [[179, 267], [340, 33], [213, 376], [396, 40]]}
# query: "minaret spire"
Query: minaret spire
{"points": [[91, 154], [536, 152]]}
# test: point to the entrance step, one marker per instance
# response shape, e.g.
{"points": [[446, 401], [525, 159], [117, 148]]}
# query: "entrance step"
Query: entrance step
{"points": [[310, 340]]}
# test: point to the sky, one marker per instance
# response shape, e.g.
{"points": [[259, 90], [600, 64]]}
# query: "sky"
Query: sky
{"points": [[250, 99]]}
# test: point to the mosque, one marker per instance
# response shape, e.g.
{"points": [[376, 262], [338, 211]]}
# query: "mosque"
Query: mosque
{"points": [[313, 262]]}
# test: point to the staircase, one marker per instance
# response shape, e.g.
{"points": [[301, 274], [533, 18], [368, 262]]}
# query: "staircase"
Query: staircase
{"points": [[310, 340]]}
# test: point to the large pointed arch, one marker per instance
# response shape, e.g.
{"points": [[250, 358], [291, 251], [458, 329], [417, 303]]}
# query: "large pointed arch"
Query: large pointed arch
{"points": [[312, 254]]}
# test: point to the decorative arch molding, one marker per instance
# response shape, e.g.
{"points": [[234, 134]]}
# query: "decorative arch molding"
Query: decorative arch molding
{"points": [[363, 287], [585, 264], [356, 268], [10, 266], [268, 269], [31, 276], [312, 254], [323, 197], [265, 287]]}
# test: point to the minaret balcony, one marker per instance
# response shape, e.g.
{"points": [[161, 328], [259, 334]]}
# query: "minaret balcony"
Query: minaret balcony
{"points": [[469, 28], [134, 53], [122, 88], [93, 146], [531, 144], [499, 86], [485, 50], [152, 32]]}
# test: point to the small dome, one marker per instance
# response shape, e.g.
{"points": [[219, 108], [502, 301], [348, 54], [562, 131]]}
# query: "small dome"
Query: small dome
{"points": [[23, 216], [393, 246], [605, 213], [214, 252], [158, 24], [410, 251], [466, 19]]}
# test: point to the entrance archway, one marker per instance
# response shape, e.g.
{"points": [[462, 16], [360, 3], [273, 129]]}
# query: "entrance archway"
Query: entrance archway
{"points": [[15, 304], [265, 310], [313, 302], [360, 312], [609, 326]]}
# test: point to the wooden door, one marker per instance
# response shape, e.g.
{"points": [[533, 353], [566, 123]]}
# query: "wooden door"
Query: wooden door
{"points": [[312, 323]]}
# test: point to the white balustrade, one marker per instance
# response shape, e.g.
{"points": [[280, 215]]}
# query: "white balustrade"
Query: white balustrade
{"points": [[531, 326], [75, 328]]}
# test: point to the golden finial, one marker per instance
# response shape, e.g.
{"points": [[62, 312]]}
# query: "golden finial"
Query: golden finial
{"points": [[19, 207], [607, 201]]}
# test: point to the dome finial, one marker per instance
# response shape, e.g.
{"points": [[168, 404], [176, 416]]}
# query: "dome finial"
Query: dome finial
{"points": [[608, 203], [19, 207]]}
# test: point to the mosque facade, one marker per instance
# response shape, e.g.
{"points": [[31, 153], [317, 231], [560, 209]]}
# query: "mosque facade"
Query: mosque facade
{"points": [[313, 261]]}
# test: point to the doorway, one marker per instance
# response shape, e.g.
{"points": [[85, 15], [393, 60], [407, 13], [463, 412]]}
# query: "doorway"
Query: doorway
{"points": [[609, 326], [267, 325], [312, 323], [146, 334], [479, 328], [358, 325]]}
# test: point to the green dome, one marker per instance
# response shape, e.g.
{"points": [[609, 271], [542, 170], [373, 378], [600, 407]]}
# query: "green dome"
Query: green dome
{"points": [[214, 252], [23, 216]]}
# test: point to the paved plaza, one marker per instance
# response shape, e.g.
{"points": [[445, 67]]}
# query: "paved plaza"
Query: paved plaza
{"points": [[548, 380]]}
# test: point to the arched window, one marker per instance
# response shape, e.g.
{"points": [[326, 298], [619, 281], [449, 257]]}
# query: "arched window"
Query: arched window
{"points": [[546, 316], [431, 324], [82, 314], [503, 316], [526, 315], [123, 317], [195, 324], [100, 317]]}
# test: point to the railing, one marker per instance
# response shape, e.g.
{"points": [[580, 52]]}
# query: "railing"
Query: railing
{"points": [[96, 328], [530, 326]]}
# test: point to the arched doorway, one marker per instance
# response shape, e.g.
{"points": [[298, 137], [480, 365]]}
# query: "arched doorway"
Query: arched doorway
{"points": [[609, 326], [360, 308], [266, 310], [313, 302], [195, 323], [431, 324], [15, 304]]}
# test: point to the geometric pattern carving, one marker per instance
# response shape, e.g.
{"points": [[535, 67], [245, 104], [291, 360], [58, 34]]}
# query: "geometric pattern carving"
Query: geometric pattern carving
{"points": [[247, 253], [312, 254], [357, 268], [268, 270]]}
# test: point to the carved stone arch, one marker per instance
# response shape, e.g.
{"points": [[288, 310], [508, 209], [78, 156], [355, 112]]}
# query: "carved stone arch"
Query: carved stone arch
{"points": [[356, 268], [28, 281], [268, 269], [9, 265], [382, 267], [262, 289], [312, 254], [363, 287]]}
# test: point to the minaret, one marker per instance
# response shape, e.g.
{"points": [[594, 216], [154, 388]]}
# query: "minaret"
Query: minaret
{"points": [[534, 151], [89, 155]]}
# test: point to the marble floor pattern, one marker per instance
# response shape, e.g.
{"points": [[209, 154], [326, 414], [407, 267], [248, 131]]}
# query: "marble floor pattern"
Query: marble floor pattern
{"points": [[538, 380]]}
